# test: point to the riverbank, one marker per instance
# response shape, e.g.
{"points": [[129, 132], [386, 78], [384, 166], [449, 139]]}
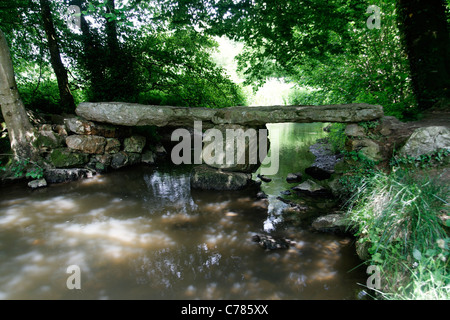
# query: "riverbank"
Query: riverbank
{"points": [[400, 209]]}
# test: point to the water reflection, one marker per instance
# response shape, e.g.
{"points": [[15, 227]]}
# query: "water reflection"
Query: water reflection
{"points": [[171, 191], [141, 233]]}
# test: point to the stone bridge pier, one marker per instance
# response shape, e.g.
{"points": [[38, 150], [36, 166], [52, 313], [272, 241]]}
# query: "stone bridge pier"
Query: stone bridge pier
{"points": [[230, 143]]}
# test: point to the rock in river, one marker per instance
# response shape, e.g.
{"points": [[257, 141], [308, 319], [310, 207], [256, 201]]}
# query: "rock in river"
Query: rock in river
{"points": [[311, 188], [269, 243], [208, 178]]}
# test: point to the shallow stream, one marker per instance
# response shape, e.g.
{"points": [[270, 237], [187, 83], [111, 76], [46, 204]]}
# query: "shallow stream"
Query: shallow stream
{"points": [[142, 233]]}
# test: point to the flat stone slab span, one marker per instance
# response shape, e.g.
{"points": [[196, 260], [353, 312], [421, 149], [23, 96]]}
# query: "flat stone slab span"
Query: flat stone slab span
{"points": [[130, 114]]}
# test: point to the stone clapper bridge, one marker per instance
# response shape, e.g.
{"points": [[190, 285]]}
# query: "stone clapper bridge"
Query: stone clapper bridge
{"points": [[242, 122]]}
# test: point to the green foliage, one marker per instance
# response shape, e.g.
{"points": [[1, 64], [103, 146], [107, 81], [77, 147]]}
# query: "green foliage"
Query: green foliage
{"points": [[360, 169], [397, 215], [337, 137], [367, 125], [125, 52], [177, 69], [24, 168], [429, 160], [321, 45]]}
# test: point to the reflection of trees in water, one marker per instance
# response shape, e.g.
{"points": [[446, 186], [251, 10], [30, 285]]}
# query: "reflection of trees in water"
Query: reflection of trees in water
{"points": [[171, 191], [165, 269], [231, 268]]}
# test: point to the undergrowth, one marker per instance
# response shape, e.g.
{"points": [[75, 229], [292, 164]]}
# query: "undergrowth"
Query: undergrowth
{"points": [[399, 218]]}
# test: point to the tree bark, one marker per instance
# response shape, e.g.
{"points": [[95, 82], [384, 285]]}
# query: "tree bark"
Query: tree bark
{"points": [[425, 35], [21, 132], [55, 56]]}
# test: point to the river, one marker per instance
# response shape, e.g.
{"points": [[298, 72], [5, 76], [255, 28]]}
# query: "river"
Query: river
{"points": [[142, 233]]}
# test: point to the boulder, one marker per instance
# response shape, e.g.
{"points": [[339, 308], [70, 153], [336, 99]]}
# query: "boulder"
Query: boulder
{"points": [[295, 206], [82, 126], [100, 162], [369, 148], [294, 177], [148, 157], [389, 125], [330, 222], [207, 178], [66, 175], [354, 130], [362, 247], [261, 195], [326, 159], [37, 183], [134, 144], [311, 188], [86, 143], [426, 140], [65, 158], [119, 160], [134, 158], [112, 145], [47, 139], [160, 151]]}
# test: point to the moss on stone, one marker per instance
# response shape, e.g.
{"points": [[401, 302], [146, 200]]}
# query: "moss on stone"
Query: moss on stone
{"points": [[64, 158]]}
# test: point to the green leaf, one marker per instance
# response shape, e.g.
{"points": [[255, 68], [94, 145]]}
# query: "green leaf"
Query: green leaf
{"points": [[447, 223], [417, 255]]}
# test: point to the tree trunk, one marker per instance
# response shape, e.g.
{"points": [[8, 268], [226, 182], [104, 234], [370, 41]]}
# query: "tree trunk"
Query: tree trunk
{"points": [[111, 29], [55, 56], [424, 29], [115, 61], [21, 132], [92, 55]]}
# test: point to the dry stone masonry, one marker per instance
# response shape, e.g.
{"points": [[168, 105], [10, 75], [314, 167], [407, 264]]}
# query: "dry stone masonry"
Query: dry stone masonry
{"points": [[76, 148], [101, 135]]}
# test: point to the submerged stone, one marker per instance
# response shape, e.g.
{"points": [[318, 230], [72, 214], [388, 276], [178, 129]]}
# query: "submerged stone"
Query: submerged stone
{"points": [[207, 178]]}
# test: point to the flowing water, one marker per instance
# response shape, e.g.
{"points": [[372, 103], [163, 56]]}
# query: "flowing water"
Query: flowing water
{"points": [[142, 233]]}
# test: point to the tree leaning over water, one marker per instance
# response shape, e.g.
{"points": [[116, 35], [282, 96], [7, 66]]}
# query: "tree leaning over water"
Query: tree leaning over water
{"points": [[21, 132]]}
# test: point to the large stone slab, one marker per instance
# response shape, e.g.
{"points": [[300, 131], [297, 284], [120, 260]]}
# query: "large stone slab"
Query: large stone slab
{"points": [[254, 116], [129, 114]]}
